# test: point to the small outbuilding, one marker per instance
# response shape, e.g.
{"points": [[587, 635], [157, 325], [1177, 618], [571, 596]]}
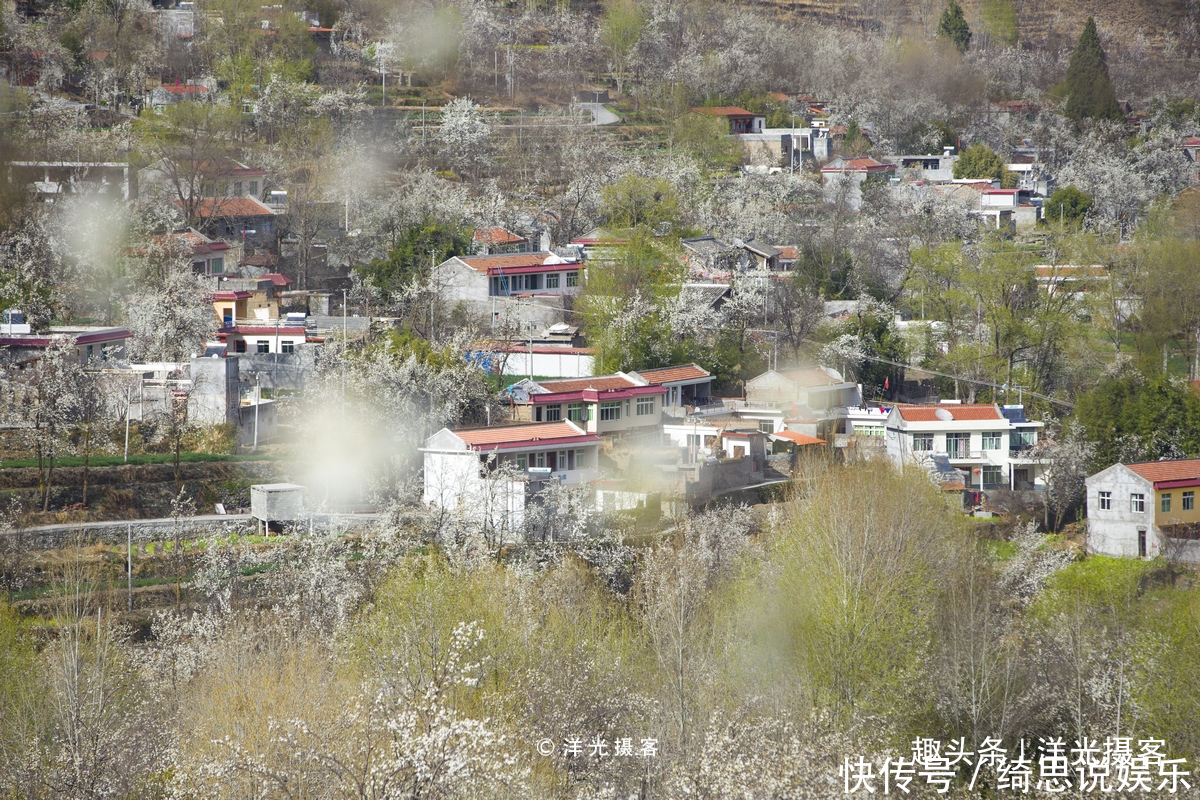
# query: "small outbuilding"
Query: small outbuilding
{"points": [[276, 503]]}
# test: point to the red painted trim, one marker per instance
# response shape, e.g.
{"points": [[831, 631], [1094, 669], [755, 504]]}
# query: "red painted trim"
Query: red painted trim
{"points": [[540, 444], [592, 396], [1181, 483]]}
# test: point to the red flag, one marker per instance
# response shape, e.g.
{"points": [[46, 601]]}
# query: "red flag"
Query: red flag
{"points": [[885, 382]]}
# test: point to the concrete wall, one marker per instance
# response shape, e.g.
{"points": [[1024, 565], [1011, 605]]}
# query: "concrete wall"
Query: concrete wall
{"points": [[551, 365], [1115, 532]]}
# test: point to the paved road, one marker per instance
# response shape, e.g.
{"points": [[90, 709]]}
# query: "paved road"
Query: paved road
{"points": [[600, 114], [145, 525]]}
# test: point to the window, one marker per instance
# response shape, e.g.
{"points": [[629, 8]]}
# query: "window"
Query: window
{"points": [[287, 347], [992, 440], [695, 440], [580, 460], [1137, 503], [216, 266], [1189, 501], [572, 279], [552, 280], [264, 346], [1022, 440], [500, 286], [991, 476], [553, 413], [1165, 504], [958, 445], [538, 459], [1106, 501], [254, 188], [766, 426], [560, 463], [645, 405], [533, 282], [576, 412], [91, 351], [923, 442], [610, 411], [241, 346], [522, 462]]}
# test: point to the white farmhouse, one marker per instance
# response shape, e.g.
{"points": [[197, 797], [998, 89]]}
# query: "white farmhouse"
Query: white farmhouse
{"points": [[989, 445], [1145, 510], [491, 473]]}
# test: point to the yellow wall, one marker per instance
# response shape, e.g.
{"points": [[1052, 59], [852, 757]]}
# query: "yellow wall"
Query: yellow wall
{"points": [[1177, 515]]}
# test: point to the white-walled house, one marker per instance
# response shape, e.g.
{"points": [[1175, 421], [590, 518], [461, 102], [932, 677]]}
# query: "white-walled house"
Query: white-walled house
{"points": [[1145, 510], [480, 278], [989, 445], [463, 467]]}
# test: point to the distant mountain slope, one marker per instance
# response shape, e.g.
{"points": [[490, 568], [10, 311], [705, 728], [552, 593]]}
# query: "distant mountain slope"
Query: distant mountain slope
{"points": [[1052, 23]]}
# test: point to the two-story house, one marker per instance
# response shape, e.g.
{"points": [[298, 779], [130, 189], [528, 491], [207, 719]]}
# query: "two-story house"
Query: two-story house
{"points": [[811, 400], [617, 407], [1145, 510], [483, 284], [989, 445], [462, 467]]}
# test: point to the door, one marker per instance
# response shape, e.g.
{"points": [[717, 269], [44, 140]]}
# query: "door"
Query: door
{"points": [[1141, 542]]}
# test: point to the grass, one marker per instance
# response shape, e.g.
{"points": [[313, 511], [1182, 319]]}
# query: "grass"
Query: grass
{"points": [[140, 459]]}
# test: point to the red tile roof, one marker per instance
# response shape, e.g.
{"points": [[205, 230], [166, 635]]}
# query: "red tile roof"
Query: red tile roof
{"points": [[233, 207], [511, 435], [724, 111], [797, 438], [1192, 141], [514, 261], [229, 294], [261, 330], [958, 413], [789, 253], [497, 236], [604, 383], [187, 88], [276, 278], [1161, 471], [863, 164], [689, 372]]}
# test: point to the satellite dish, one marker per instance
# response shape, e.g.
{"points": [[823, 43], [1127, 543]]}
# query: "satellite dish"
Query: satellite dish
{"points": [[943, 415]]}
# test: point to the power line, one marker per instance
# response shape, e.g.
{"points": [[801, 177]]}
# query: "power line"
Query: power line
{"points": [[969, 380]]}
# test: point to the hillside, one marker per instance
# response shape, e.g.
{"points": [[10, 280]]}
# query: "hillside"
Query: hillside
{"points": [[1053, 23]]}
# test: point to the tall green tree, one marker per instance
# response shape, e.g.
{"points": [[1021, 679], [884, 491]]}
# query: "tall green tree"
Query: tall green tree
{"points": [[1090, 93], [953, 27], [980, 161]]}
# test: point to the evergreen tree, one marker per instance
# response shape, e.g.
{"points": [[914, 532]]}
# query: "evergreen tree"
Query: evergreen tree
{"points": [[954, 28], [1089, 90]]}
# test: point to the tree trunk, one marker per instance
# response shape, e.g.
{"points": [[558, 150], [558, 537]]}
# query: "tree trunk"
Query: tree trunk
{"points": [[87, 451], [49, 483]]}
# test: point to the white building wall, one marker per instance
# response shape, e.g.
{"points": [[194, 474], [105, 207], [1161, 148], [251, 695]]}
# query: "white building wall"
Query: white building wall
{"points": [[1114, 532], [551, 365]]}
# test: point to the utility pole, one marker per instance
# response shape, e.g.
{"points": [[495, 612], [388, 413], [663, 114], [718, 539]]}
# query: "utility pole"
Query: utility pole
{"points": [[257, 403], [422, 123], [129, 560]]}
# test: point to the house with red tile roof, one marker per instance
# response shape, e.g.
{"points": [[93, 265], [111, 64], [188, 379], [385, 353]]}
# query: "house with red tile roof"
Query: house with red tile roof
{"points": [[618, 407], [740, 120], [1146, 509], [487, 284], [989, 446], [687, 385], [491, 473], [499, 241]]}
